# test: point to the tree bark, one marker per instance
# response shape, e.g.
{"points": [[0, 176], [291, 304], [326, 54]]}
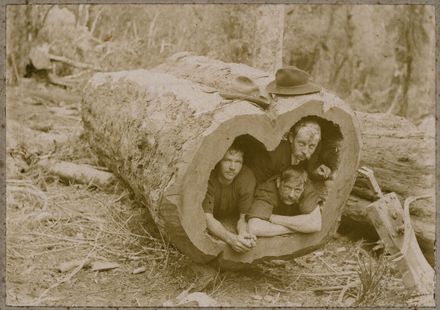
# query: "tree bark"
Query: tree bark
{"points": [[269, 36], [162, 133], [401, 156]]}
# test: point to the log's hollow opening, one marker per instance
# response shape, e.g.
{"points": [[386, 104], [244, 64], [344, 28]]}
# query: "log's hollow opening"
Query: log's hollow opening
{"points": [[327, 152]]}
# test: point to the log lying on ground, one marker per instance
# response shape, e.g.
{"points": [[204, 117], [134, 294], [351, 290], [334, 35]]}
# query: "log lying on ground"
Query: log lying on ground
{"points": [[78, 173], [401, 156], [392, 147], [163, 135]]}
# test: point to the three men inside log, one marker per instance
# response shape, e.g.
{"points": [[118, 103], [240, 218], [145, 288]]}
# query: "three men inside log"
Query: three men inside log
{"points": [[270, 193]]}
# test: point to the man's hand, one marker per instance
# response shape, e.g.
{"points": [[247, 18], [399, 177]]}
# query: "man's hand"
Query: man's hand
{"points": [[249, 239], [240, 244], [322, 172]]}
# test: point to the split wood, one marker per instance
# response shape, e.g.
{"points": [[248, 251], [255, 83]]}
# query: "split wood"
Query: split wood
{"points": [[394, 228]]}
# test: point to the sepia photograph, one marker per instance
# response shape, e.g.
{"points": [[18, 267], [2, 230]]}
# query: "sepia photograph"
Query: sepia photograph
{"points": [[220, 155]]}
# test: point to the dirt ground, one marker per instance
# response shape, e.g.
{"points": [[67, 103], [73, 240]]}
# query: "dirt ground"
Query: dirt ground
{"points": [[51, 221]]}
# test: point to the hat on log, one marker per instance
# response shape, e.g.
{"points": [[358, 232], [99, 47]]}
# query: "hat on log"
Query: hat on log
{"points": [[292, 81], [242, 87]]}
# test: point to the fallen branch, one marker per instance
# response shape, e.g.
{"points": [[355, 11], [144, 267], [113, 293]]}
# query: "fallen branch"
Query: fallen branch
{"points": [[74, 62], [329, 274], [334, 288], [79, 173]]}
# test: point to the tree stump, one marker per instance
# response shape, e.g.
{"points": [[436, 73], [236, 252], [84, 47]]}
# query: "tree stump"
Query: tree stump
{"points": [[163, 134]]}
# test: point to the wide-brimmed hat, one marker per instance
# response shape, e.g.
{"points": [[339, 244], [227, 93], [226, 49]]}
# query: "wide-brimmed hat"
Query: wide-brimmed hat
{"points": [[242, 87], [292, 81]]}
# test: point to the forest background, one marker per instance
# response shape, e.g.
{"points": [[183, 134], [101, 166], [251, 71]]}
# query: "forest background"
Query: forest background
{"points": [[377, 58]]}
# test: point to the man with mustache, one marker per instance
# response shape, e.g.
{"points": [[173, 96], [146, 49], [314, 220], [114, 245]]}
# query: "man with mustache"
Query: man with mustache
{"points": [[302, 149], [298, 150], [276, 209], [229, 196]]}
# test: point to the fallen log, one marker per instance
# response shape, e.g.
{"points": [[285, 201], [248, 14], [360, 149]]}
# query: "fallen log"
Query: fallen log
{"points": [[163, 135], [392, 147], [78, 173], [400, 154]]}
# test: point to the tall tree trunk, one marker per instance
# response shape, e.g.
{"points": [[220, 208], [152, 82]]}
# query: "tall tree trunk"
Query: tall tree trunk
{"points": [[269, 36]]}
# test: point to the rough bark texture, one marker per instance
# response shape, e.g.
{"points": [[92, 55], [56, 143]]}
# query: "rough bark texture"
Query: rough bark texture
{"points": [[401, 156], [163, 133], [269, 37]]}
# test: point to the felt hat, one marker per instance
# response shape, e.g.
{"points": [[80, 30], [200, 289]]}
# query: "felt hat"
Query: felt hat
{"points": [[242, 87], [292, 81]]}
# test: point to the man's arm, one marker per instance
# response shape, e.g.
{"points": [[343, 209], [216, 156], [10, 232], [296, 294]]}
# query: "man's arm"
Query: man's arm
{"points": [[242, 226], [237, 243], [304, 223], [263, 228], [244, 232]]}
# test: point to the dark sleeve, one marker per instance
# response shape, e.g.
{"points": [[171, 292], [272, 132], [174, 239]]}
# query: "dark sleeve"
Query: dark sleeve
{"points": [[327, 153], [315, 194], [264, 201], [330, 154], [246, 187], [208, 202], [280, 159], [266, 164]]}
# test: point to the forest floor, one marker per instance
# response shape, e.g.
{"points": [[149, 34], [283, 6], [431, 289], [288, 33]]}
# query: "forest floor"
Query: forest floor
{"points": [[51, 222]]}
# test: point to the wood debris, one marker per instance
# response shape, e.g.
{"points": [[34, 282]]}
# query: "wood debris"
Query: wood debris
{"points": [[103, 266]]}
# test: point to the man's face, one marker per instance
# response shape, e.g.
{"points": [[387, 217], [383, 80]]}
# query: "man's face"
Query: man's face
{"points": [[230, 165], [290, 191], [304, 143]]}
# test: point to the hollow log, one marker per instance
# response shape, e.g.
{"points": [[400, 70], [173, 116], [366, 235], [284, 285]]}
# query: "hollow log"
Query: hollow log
{"points": [[401, 156], [392, 147], [163, 134]]}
